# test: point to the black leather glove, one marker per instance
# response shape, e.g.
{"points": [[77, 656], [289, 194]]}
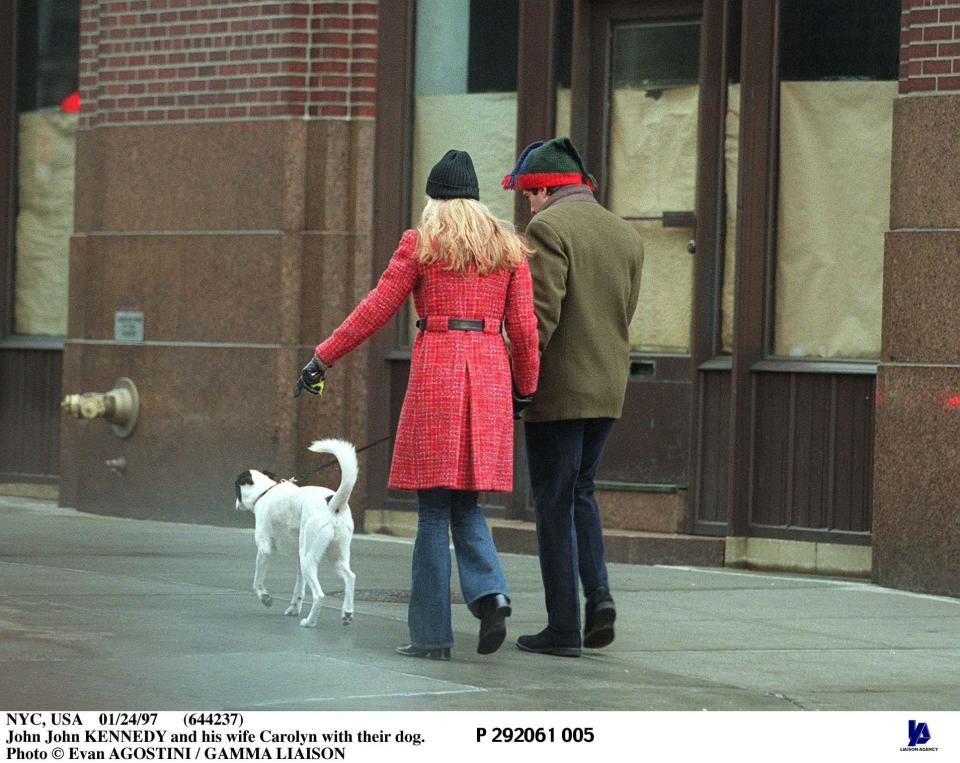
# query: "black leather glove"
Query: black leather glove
{"points": [[311, 378], [519, 403]]}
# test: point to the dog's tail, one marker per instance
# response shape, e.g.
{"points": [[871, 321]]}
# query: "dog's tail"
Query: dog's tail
{"points": [[346, 454]]}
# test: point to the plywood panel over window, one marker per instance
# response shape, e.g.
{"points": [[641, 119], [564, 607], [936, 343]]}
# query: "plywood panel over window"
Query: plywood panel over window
{"points": [[47, 148], [838, 81]]}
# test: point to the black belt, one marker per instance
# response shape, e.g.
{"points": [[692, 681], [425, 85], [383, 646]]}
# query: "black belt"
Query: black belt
{"points": [[456, 324]]}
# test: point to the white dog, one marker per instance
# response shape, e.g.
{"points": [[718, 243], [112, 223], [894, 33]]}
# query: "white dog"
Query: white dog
{"points": [[317, 517]]}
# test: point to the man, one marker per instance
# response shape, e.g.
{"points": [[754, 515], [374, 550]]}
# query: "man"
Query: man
{"points": [[586, 279]]}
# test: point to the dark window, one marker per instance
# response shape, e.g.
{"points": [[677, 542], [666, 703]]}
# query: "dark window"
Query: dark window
{"points": [[653, 55], [48, 54], [839, 39], [734, 26], [494, 26]]}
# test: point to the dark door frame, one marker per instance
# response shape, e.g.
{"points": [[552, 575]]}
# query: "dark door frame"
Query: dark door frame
{"points": [[8, 156], [30, 366]]}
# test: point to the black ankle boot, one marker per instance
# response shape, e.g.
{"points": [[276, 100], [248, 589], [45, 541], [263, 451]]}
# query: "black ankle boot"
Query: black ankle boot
{"points": [[598, 619], [429, 653], [493, 610]]}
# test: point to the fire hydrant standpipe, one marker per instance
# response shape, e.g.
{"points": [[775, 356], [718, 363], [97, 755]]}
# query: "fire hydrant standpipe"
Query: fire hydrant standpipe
{"points": [[120, 406]]}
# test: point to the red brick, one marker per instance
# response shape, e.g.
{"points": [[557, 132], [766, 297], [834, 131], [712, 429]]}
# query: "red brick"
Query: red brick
{"points": [[925, 83], [335, 38], [948, 83], [938, 33], [329, 66], [937, 67], [949, 14], [330, 96], [922, 51]]}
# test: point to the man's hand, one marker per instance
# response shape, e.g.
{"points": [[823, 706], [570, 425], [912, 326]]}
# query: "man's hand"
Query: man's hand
{"points": [[519, 403], [311, 378]]}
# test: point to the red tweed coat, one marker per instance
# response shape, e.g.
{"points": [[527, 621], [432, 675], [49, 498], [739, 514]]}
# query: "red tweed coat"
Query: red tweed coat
{"points": [[456, 424]]}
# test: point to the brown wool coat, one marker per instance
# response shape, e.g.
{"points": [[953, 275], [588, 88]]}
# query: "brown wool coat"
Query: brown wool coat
{"points": [[586, 280]]}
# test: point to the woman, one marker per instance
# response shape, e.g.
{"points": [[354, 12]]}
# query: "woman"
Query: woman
{"points": [[469, 276]]}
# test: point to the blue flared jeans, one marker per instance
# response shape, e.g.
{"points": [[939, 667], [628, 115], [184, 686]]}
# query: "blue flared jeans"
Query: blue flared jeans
{"points": [[455, 511], [563, 458]]}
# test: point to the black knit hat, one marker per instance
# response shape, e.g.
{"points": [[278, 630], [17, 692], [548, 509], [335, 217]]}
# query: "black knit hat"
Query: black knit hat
{"points": [[453, 177]]}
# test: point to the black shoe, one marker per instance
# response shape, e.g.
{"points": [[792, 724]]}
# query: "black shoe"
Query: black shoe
{"points": [[599, 617], [493, 609], [430, 653], [546, 642]]}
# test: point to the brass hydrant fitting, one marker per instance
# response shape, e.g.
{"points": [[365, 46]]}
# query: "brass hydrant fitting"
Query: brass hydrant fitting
{"points": [[120, 406]]}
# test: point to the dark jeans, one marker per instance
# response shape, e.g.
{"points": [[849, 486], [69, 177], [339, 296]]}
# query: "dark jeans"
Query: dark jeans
{"points": [[563, 458]]}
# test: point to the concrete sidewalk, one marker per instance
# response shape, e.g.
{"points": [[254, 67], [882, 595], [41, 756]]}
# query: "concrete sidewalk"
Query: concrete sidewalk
{"points": [[105, 613]]}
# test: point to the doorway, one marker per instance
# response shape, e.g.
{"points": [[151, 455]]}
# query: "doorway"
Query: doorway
{"points": [[639, 120]]}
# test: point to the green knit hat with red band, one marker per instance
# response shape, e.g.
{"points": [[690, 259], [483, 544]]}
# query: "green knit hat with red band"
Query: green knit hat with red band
{"points": [[556, 162]]}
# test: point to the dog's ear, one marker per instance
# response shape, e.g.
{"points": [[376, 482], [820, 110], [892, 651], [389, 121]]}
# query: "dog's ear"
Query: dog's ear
{"points": [[244, 479]]}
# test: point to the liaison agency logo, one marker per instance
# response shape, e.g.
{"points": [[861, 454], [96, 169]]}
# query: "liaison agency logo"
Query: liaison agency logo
{"points": [[918, 735]]}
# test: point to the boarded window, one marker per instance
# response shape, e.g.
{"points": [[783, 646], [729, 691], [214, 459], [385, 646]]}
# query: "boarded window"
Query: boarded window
{"points": [[47, 71], [838, 81]]}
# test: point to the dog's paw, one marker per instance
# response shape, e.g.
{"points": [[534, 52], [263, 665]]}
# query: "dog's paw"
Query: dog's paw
{"points": [[306, 623], [266, 599], [347, 618]]}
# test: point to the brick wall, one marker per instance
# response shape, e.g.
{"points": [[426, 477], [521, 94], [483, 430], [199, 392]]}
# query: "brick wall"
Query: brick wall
{"points": [[929, 47], [150, 61]]}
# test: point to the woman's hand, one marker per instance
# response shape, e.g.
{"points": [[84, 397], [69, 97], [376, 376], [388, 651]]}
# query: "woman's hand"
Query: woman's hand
{"points": [[311, 377]]}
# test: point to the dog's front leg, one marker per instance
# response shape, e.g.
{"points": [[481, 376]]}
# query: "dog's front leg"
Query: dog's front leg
{"points": [[296, 603], [259, 573]]}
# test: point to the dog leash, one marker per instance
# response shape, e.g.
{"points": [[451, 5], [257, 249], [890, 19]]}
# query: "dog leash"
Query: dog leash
{"points": [[304, 475]]}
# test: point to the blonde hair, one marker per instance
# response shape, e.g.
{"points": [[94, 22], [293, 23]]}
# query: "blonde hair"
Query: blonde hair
{"points": [[462, 234]]}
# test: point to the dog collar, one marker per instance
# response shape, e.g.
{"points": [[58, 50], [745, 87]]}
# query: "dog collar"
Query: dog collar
{"points": [[254, 505]]}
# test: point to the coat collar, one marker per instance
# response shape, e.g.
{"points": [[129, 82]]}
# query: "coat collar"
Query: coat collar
{"points": [[570, 193]]}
